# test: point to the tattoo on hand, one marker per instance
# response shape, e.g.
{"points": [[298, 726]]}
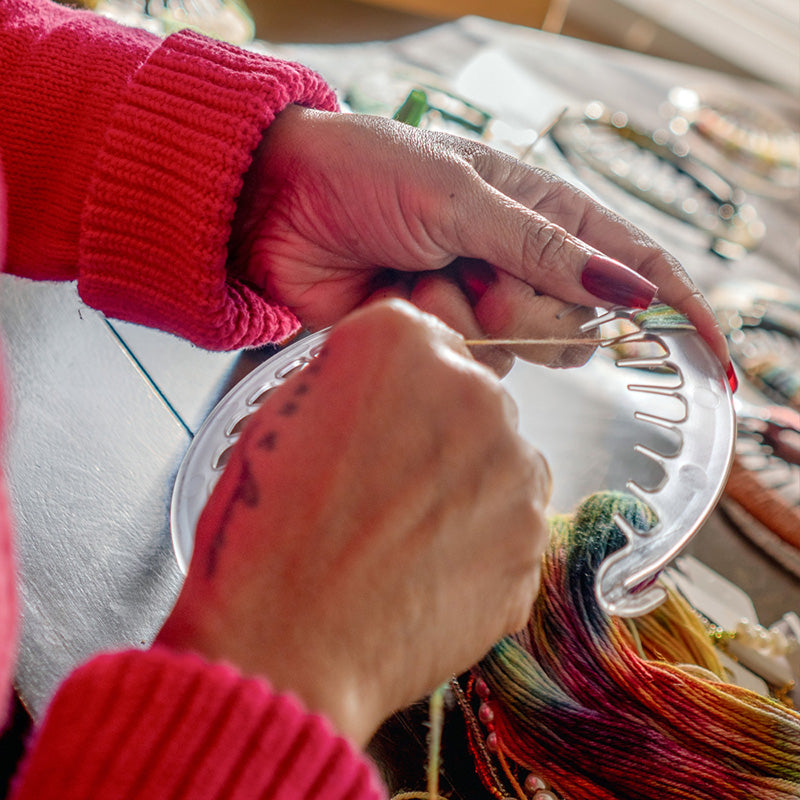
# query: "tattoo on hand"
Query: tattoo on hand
{"points": [[268, 441], [288, 409], [246, 492]]}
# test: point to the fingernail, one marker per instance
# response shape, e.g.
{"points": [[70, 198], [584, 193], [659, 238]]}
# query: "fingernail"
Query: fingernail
{"points": [[612, 281], [475, 278], [733, 381]]}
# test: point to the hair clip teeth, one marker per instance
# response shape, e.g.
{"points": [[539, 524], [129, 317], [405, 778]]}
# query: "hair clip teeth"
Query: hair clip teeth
{"points": [[661, 422], [693, 476], [641, 362], [646, 388], [653, 455]]}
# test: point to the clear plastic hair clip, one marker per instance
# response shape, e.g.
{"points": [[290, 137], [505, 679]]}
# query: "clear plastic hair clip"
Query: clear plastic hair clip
{"points": [[212, 444], [693, 476]]}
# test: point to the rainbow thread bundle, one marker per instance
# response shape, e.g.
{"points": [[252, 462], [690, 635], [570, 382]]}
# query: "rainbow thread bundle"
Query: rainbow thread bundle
{"points": [[602, 711]]}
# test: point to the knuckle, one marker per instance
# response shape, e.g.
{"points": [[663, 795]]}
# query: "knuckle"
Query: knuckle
{"points": [[543, 242], [518, 619], [391, 327], [524, 599], [392, 315], [538, 477], [530, 565]]}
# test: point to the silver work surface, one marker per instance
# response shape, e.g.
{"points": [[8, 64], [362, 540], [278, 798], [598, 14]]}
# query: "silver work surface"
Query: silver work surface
{"points": [[101, 412]]}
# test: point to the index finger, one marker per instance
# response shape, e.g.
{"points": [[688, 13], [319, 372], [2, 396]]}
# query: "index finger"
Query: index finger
{"points": [[548, 233], [611, 234]]}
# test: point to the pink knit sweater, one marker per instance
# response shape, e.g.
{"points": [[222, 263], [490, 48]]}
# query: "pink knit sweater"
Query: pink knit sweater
{"points": [[123, 157]]}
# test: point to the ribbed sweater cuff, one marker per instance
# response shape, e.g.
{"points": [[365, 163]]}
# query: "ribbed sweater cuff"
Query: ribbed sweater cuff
{"points": [[156, 724], [157, 219]]}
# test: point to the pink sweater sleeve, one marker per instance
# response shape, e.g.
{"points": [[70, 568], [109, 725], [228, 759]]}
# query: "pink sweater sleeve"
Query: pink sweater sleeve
{"points": [[155, 724], [124, 155], [123, 158]]}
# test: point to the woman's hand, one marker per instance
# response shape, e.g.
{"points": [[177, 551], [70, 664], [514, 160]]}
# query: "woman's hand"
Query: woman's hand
{"points": [[379, 525], [337, 208]]}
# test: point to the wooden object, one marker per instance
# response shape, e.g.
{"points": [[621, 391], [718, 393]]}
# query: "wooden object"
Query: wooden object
{"points": [[531, 13]]}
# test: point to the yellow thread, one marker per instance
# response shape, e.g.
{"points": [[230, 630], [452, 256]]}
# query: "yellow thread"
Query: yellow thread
{"points": [[635, 636], [674, 633]]}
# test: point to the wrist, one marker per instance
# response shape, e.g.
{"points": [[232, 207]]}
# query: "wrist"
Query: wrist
{"points": [[342, 699]]}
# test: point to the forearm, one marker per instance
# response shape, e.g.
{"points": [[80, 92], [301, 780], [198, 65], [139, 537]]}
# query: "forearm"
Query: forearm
{"points": [[124, 158], [62, 73]]}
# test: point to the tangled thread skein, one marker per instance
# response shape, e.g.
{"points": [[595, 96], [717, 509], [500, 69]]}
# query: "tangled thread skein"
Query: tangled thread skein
{"points": [[576, 703]]}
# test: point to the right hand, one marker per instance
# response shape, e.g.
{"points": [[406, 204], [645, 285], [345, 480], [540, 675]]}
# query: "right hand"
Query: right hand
{"points": [[379, 526]]}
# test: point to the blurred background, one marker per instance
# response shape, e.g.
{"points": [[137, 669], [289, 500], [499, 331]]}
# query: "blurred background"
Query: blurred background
{"points": [[754, 38]]}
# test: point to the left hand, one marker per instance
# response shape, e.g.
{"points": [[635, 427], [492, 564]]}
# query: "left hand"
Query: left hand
{"points": [[336, 205]]}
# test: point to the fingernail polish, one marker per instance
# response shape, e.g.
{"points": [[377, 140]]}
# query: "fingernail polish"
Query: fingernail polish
{"points": [[733, 381], [475, 278], [612, 281]]}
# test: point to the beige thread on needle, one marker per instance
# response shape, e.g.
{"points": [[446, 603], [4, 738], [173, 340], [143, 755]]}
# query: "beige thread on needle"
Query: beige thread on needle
{"points": [[518, 342]]}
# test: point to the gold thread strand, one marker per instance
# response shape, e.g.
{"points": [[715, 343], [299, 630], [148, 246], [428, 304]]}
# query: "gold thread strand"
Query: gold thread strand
{"points": [[519, 342]]}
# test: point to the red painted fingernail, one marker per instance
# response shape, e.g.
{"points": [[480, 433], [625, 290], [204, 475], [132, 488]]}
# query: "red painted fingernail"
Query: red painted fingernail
{"points": [[733, 381], [612, 281], [475, 279]]}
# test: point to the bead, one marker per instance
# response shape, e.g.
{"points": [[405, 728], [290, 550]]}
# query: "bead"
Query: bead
{"points": [[533, 783], [745, 631], [780, 644], [481, 688], [485, 714], [763, 640], [491, 742], [543, 794]]}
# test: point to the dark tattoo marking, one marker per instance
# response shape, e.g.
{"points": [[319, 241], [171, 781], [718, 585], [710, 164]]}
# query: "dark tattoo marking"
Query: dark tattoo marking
{"points": [[268, 441], [301, 389], [288, 409], [246, 492]]}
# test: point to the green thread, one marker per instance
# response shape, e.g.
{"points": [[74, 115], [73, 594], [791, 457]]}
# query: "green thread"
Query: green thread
{"points": [[661, 317]]}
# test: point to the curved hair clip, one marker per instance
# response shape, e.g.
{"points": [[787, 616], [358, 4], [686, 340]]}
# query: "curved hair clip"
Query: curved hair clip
{"points": [[693, 477]]}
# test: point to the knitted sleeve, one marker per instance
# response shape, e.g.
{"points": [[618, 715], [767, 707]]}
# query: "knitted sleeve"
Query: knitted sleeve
{"points": [[156, 724], [124, 156]]}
